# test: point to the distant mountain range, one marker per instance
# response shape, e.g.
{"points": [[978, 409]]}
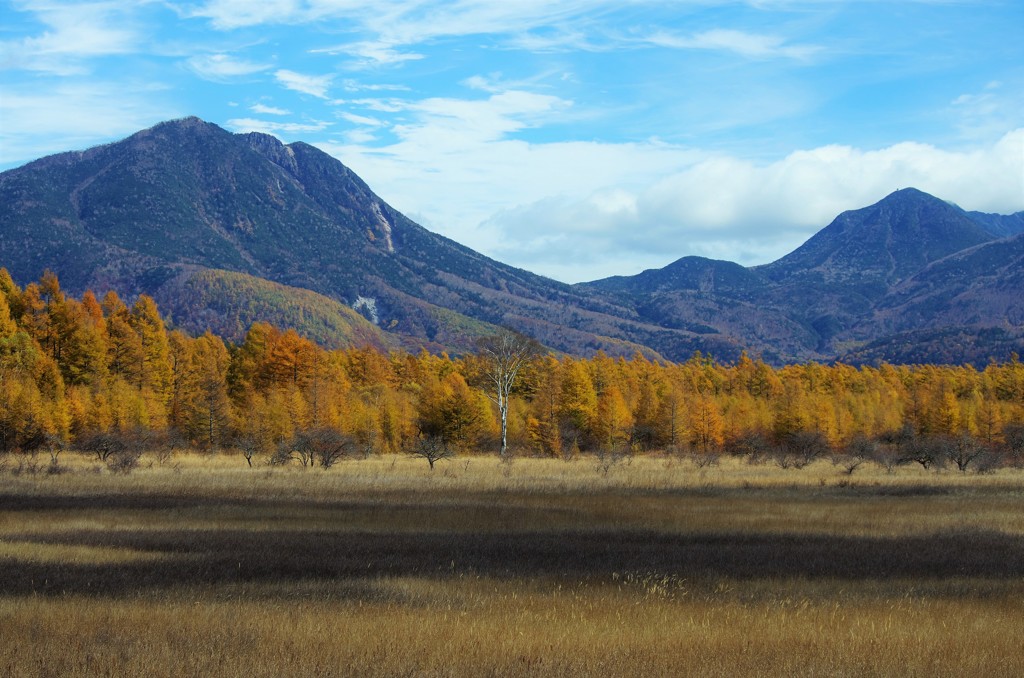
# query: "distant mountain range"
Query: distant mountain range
{"points": [[224, 229]]}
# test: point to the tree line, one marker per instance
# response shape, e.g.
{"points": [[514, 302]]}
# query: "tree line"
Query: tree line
{"points": [[104, 377]]}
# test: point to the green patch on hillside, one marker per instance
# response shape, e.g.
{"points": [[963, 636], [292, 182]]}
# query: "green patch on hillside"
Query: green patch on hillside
{"points": [[227, 303]]}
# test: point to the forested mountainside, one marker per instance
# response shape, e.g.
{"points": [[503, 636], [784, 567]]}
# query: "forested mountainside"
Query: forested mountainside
{"points": [[225, 229]]}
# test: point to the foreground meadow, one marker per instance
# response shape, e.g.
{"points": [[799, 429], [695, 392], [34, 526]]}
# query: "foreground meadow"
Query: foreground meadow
{"points": [[197, 565]]}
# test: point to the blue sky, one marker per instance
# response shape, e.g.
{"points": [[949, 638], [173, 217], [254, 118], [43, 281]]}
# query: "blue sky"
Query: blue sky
{"points": [[575, 138]]}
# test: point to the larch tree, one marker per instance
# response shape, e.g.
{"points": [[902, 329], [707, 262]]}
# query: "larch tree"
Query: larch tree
{"points": [[124, 348], [577, 405], [706, 427], [211, 412], [156, 363]]}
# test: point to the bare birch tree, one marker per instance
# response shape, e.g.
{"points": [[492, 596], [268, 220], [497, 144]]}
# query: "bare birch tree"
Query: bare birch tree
{"points": [[505, 354]]}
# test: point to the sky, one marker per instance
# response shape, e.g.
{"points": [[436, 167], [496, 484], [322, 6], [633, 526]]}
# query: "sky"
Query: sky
{"points": [[578, 139]]}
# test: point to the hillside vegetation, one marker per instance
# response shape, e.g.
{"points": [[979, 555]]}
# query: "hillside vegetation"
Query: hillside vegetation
{"points": [[103, 377]]}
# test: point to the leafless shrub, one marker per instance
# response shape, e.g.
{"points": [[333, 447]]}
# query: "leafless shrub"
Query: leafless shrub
{"points": [[610, 456], [122, 450], [323, 446], [125, 461], [103, 444], [433, 449], [163, 446], [888, 456], [858, 451], [704, 459], [249, 446], [54, 444], [1013, 434], [753, 446], [28, 463], [798, 450], [965, 450], [928, 452]]}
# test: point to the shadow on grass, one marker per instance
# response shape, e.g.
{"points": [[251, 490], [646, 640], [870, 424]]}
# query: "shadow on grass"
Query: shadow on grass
{"points": [[398, 539]]}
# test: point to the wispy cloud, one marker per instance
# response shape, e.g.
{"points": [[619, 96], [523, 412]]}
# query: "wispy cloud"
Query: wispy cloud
{"points": [[370, 53], [314, 85], [401, 21], [223, 67], [749, 45], [276, 127], [362, 120], [36, 121], [471, 121], [988, 111], [74, 34], [232, 14], [268, 110], [352, 85]]}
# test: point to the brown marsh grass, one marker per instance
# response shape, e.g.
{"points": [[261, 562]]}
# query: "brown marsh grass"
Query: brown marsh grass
{"points": [[201, 566]]}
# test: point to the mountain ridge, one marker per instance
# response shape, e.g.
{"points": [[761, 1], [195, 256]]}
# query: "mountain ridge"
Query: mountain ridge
{"points": [[185, 199]]}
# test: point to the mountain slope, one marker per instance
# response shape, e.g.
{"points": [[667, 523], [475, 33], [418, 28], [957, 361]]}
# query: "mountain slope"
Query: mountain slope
{"points": [[908, 263], [1000, 225], [224, 229], [227, 303], [876, 247], [980, 286], [129, 215]]}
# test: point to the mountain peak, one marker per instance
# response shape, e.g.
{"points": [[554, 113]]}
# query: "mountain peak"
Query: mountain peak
{"points": [[190, 125], [884, 243]]}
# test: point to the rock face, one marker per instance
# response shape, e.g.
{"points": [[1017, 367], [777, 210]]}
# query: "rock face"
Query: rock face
{"points": [[226, 228]]}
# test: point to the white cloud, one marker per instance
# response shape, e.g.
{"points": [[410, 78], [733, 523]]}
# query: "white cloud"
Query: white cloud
{"points": [[984, 114], [268, 110], [748, 45], [390, 105], [314, 85], [223, 67], [371, 53], [397, 23], [356, 86], [231, 14], [362, 120], [466, 122], [75, 33], [580, 211], [36, 121], [274, 127]]}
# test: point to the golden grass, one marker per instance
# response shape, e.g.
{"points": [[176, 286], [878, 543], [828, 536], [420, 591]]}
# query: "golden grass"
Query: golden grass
{"points": [[201, 566]]}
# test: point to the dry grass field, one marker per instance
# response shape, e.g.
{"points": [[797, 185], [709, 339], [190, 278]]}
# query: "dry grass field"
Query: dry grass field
{"points": [[200, 566]]}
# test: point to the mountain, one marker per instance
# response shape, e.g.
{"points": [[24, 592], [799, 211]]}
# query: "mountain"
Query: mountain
{"points": [[908, 270], [841, 273], [873, 248], [224, 229], [185, 197]]}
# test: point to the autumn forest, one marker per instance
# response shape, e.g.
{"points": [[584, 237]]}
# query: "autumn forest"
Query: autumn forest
{"points": [[98, 376]]}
